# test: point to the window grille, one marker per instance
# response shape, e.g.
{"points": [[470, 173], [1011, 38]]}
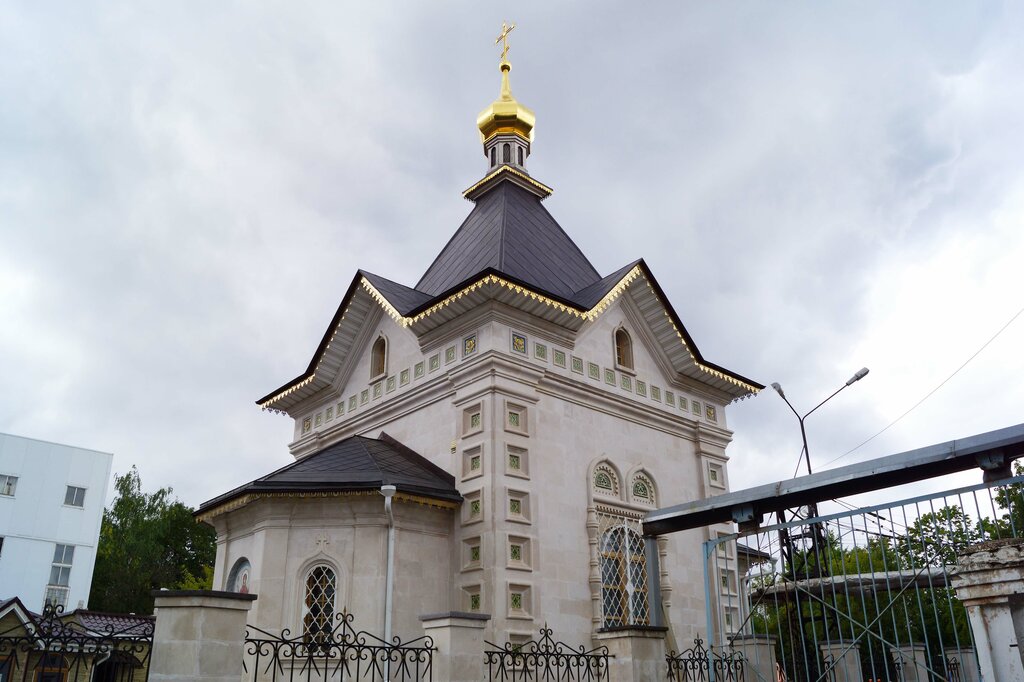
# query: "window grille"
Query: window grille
{"points": [[318, 607], [624, 597]]}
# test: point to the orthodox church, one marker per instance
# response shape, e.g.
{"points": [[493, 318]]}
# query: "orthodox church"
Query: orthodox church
{"points": [[488, 440]]}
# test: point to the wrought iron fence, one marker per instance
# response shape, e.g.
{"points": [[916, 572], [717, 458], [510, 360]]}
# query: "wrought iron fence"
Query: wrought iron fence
{"points": [[545, 660], [697, 664], [340, 653], [860, 593], [52, 646]]}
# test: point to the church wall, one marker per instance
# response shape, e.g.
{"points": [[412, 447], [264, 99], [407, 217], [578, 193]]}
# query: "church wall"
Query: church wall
{"points": [[451, 402], [283, 538]]}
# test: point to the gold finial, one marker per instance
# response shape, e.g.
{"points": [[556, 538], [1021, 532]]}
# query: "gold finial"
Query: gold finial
{"points": [[503, 39], [505, 114]]}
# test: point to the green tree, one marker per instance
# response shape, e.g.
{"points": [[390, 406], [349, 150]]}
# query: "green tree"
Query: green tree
{"points": [[148, 541]]}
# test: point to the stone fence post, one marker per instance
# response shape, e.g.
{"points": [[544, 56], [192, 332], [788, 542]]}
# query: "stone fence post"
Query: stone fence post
{"points": [[459, 638], [199, 635], [639, 653], [989, 580]]}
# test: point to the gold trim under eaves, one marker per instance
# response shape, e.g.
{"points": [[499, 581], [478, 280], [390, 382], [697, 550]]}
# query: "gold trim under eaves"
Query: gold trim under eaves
{"points": [[588, 315], [508, 169], [243, 500]]}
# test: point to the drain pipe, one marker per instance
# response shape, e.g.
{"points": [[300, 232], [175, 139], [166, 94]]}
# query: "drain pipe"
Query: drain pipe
{"points": [[388, 491]]}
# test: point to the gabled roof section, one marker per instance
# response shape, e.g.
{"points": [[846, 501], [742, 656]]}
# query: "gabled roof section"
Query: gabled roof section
{"points": [[356, 464], [509, 231]]}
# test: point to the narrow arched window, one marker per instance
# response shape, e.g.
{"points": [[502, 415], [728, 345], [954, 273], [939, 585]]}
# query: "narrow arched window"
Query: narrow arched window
{"points": [[318, 606], [506, 153], [494, 156], [520, 150], [379, 358], [623, 574], [623, 349]]}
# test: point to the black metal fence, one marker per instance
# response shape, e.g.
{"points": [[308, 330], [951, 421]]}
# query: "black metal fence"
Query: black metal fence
{"points": [[697, 664], [55, 647], [545, 660], [339, 654]]}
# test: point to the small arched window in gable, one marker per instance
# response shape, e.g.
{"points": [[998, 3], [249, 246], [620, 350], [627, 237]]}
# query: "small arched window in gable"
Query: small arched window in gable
{"points": [[606, 482], [318, 606], [506, 153], [623, 349], [379, 358], [642, 490]]}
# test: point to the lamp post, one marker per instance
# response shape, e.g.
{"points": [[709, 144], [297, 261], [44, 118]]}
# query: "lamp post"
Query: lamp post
{"points": [[817, 532], [860, 374]]}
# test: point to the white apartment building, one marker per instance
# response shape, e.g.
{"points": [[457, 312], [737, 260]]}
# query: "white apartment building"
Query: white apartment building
{"points": [[51, 507]]}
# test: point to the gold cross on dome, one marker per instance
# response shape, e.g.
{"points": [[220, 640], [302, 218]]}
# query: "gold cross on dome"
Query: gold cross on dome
{"points": [[503, 38]]}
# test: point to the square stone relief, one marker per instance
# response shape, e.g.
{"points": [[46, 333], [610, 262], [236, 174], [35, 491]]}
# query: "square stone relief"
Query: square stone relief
{"points": [[540, 351], [641, 388], [403, 376], [449, 354], [469, 345], [558, 357], [518, 343], [577, 365], [594, 371], [417, 370], [435, 361]]}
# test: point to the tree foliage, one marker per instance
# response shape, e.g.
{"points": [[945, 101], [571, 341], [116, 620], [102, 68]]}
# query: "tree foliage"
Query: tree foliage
{"points": [[148, 541]]}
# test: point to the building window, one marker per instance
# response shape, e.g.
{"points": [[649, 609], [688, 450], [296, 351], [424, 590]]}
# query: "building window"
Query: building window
{"points": [[606, 481], [506, 153], [318, 606], [623, 349], [494, 156], [8, 484], [60, 575], [642, 489], [379, 358], [520, 150], [623, 572], [74, 496]]}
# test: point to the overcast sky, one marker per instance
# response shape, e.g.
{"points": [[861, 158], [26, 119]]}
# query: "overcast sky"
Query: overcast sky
{"points": [[187, 189]]}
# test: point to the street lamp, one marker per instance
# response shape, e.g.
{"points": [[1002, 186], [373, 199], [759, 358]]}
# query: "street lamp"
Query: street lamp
{"points": [[860, 374]]}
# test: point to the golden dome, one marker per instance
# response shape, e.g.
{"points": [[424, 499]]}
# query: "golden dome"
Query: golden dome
{"points": [[505, 115]]}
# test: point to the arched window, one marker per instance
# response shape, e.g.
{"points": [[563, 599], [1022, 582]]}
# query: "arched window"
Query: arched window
{"points": [[379, 358], [606, 481], [623, 573], [494, 156], [623, 349], [318, 606], [642, 490], [506, 153], [520, 150]]}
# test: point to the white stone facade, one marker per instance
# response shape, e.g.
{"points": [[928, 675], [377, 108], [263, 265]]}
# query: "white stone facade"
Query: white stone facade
{"points": [[523, 412]]}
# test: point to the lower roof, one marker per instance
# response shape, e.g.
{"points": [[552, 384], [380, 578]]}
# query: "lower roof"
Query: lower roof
{"points": [[356, 464]]}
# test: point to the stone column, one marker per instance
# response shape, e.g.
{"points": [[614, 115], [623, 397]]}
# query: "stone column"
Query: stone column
{"points": [[199, 635], [962, 664], [639, 653], [912, 662], [459, 638], [989, 578], [846, 659], [758, 653]]}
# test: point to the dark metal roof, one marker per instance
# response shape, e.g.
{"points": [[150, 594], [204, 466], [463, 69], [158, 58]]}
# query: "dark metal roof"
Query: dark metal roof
{"points": [[404, 299], [992, 451], [510, 231], [354, 464]]}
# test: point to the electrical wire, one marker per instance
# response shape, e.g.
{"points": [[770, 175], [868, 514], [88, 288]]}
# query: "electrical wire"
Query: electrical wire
{"points": [[931, 392]]}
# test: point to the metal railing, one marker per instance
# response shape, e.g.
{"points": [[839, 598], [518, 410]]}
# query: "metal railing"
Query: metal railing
{"points": [[51, 646], [697, 664], [339, 654], [545, 660], [859, 593]]}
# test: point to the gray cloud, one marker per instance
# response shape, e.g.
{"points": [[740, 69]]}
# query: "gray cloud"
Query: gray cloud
{"points": [[186, 191]]}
